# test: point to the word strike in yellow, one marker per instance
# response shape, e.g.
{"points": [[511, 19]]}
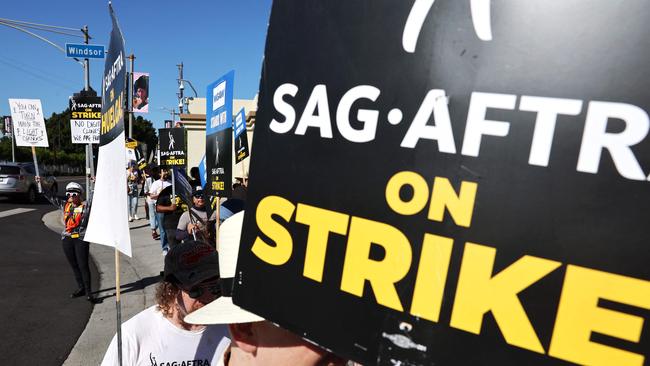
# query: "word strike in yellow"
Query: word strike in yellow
{"points": [[478, 291]]}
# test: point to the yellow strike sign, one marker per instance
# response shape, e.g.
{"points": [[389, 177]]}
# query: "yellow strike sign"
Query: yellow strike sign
{"points": [[175, 162], [479, 290], [86, 115]]}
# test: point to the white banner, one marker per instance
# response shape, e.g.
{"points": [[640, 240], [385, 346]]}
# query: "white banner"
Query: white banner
{"points": [[109, 224], [85, 131], [28, 122]]}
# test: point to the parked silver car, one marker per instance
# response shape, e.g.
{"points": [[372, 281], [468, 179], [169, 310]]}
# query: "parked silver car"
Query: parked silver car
{"points": [[19, 180]]}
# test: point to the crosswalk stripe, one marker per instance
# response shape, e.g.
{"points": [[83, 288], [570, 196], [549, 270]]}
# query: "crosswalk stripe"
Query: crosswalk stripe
{"points": [[15, 211]]}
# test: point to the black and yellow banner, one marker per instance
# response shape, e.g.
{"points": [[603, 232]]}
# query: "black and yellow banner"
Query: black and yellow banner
{"points": [[454, 182], [114, 87]]}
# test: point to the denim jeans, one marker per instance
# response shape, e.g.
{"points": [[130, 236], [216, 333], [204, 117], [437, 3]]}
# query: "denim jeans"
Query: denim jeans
{"points": [[153, 216], [163, 237], [132, 204]]}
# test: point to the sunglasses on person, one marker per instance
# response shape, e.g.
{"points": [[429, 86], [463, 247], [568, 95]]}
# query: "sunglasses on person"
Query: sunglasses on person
{"points": [[212, 286], [199, 195], [71, 194]]}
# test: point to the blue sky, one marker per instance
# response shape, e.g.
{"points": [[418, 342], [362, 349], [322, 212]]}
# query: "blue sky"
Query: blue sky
{"points": [[210, 37]]}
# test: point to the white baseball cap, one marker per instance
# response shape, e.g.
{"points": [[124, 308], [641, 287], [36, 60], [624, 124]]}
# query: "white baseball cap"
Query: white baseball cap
{"points": [[222, 310]]}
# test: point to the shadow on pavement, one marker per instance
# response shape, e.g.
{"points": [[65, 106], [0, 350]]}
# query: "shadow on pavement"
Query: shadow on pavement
{"points": [[141, 284]]}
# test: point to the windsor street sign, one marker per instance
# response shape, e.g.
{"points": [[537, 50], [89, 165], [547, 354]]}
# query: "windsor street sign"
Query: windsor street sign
{"points": [[84, 50]]}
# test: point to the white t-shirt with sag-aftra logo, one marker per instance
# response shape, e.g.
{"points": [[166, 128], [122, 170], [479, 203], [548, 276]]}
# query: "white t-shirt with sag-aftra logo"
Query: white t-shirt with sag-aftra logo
{"points": [[149, 339]]}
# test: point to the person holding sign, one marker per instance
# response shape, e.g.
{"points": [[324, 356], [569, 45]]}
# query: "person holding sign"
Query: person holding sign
{"points": [[170, 208], [194, 222], [154, 192], [255, 341], [158, 335], [74, 248]]}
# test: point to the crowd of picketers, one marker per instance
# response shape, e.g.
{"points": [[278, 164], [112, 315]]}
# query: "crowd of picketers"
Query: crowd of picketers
{"points": [[171, 219]]}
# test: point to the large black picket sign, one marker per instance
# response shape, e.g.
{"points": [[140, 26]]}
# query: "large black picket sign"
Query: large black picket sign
{"points": [[590, 55]]}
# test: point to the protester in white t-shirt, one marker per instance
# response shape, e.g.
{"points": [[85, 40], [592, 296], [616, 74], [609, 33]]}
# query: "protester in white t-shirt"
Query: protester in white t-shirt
{"points": [[255, 341], [151, 175], [158, 335], [154, 192]]}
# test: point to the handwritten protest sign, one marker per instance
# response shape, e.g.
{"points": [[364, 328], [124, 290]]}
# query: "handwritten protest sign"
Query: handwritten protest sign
{"points": [[28, 122], [454, 182]]}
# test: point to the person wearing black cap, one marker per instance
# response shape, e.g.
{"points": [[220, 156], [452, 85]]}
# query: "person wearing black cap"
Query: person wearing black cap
{"points": [[158, 335], [195, 220]]}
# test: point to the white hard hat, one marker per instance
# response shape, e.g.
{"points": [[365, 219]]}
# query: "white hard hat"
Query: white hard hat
{"points": [[74, 187]]}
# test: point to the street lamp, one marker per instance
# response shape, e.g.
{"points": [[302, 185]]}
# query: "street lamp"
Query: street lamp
{"points": [[196, 95], [184, 101]]}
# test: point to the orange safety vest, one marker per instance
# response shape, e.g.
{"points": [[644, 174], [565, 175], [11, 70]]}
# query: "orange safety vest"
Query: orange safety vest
{"points": [[72, 216]]}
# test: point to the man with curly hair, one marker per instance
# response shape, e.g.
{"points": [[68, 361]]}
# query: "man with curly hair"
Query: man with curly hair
{"points": [[158, 335]]}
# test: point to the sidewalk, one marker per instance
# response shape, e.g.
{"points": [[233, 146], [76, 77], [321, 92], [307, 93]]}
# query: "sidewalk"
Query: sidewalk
{"points": [[138, 277]]}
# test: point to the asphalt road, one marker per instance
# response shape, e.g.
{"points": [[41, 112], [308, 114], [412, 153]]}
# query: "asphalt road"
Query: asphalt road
{"points": [[39, 323]]}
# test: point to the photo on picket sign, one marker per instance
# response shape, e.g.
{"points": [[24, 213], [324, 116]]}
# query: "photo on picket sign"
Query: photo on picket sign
{"points": [[453, 182], [140, 99]]}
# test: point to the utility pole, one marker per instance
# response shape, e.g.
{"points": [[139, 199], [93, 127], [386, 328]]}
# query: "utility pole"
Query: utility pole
{"points": [[130, 96], [13, 152], [90, 164], [180, 88]]}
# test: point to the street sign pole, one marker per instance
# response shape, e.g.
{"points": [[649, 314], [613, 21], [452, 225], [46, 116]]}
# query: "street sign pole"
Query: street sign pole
{"points": [[89, 147], [13, 152], [129, 96]]}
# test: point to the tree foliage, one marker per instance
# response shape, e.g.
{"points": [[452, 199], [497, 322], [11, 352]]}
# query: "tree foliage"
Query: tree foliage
{"points": [[143, 131]]}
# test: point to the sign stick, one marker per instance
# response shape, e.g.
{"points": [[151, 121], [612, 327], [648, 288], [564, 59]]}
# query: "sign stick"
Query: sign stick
{"points": [[243, 174], [216, 235], [87, 176], [173, 186], [13, 152], [92, 166], [38, 180], [118, 306]]}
